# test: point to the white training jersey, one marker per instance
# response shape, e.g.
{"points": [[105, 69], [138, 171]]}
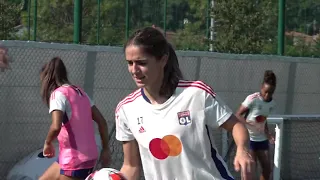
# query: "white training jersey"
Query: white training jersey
{"points": [[259, 110], [175, 138], [58, 101]]}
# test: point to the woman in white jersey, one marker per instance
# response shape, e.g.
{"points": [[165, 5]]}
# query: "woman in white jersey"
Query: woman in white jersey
{"points": [[72, 113], [255, 109], [167, 123]]}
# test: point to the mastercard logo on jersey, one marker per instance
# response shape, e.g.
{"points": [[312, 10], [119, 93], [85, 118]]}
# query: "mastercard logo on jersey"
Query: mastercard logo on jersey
{"points": [[162, 148], [261, 119]]}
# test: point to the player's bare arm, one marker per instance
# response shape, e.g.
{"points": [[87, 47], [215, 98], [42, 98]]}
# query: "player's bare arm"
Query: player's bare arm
{"points": [[48, 149], [57, 117], [243, 161], [241, 112], [131, 160], [268, 134], [103, 130]]}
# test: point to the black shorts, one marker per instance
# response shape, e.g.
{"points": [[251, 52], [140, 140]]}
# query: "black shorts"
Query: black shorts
{"points": [[80, 173], [259, 145]]}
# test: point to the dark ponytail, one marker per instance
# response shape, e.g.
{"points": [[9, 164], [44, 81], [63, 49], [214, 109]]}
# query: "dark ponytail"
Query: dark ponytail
{"points": [[53, 75], [172, 74]]}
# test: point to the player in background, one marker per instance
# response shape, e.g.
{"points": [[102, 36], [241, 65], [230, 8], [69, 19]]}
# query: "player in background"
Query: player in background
{"points": [[167, 123], [4, 58], [255, 109], [72, 113]]}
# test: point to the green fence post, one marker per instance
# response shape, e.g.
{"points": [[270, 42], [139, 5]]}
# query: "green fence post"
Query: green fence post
{"points": [[29, 18], [35, 15], [127, 18], [165, 17], [208, 19], [281, 25], [77, 21], [98, 23]]}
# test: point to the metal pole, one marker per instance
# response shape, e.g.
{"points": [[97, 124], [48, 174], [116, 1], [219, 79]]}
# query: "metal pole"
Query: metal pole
{"points": [[77, 21], [98, 23], [29, 19], [127, 18], [212, 27], [35, 15], [281, 25], [207, 19], [165, 17]]}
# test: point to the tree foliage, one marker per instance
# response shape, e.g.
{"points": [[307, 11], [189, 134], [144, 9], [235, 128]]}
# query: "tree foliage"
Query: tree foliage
{"points": [[244, 26], [9, 18], [240, 26]]}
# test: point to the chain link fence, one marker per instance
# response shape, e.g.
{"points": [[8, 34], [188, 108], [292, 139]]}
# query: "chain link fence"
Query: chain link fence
{"points": [[102, 72]]}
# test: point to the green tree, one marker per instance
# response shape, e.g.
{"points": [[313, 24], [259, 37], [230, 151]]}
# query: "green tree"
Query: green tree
{"points": [[186, 35], [192, 35], [177, 11], [55, 21], [244, 26], [303, 16], [145, 13], [9, 18]]}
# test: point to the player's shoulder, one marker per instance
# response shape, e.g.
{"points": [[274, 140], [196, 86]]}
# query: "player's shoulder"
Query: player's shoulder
{"points": [[57, 95], [253, 96], [62, 89], [129, 99], [196, 87]]}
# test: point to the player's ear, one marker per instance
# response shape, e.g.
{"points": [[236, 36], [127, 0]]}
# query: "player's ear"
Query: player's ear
{"points": [[164, 60]]}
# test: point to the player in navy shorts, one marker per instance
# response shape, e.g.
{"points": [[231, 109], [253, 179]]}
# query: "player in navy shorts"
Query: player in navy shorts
{"points": [[255, 109]]}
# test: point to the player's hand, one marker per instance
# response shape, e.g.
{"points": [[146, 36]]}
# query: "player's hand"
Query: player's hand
{"points": [[271, 139], [244, 162], [48, 150], [105, 157]]}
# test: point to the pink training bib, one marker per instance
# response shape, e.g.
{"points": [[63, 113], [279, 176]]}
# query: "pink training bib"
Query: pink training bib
{"points": [[77, 146]]}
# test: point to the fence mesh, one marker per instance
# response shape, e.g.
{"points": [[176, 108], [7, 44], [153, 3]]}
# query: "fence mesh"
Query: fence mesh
{"points": [[301, 148], [102, 72]]}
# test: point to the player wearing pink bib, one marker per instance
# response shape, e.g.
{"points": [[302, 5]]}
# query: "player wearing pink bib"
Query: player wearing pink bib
{"points": [[72, 112], [167, 123], [256, 108]]}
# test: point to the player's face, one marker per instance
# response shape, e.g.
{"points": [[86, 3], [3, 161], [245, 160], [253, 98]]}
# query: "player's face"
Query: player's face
{"points": [[267, 91], [145, 70]]}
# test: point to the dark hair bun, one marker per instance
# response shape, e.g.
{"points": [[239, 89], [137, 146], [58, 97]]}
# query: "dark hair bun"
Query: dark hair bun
{"points": [[270, 78]]}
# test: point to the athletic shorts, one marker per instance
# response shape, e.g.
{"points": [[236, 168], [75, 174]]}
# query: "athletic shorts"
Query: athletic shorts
{"points": [[259, 145], [80, 173]]}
